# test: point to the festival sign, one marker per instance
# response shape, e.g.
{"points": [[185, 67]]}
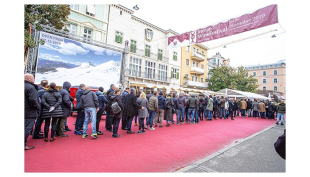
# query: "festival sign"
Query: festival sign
{"points": [[260, 18]]}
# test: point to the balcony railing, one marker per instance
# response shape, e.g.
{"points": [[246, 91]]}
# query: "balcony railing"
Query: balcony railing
{"points": [[194, 83], [197, 70], [145, 75], [152, 56], [198, 56]]}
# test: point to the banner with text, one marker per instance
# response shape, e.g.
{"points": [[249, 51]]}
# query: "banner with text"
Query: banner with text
{"points": [[260, 18]]}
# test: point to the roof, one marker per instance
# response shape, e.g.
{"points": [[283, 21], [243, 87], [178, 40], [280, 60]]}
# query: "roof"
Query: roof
{"points": [[278, 62], [237, 93]]}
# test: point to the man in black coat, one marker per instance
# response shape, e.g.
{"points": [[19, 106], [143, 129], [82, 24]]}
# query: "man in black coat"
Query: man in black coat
{"points": [[124, 117], [80, 112], [215, 107], [205, 106], [267, 104], [109, 118], [32, 106], [66, 109], [38, 124], [131, 108], [249, 107]]}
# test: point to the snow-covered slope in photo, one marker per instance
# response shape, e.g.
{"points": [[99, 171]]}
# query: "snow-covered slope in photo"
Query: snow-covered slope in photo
{"points": [[103, 75]]}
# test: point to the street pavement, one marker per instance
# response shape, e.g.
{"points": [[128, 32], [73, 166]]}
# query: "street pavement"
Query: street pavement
{"points": [[253, 154]]}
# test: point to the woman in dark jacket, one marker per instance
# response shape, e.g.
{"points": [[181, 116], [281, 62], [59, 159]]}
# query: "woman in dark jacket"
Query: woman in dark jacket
{"points": [[168, 111], [202, 108], [117, 117], [235, 108], [51, 109]]}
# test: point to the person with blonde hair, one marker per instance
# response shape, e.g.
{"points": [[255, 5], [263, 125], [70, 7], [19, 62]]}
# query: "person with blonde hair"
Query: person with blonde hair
{"points": [[143, 113]]}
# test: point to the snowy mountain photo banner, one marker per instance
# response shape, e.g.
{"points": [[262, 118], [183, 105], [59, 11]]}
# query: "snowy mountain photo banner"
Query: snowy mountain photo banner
{"points": [[61, 59]]}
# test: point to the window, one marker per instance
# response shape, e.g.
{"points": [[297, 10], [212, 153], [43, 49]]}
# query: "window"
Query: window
{"points": [[264, 88], [175, 56], [275, 72], [247, 74], [194, 64], [74, 7], [187, 48], [133, 46], [175, 73], [90, 9], [193, 78], [203, 53], [275, 80], [186, 76], [87, 34], [187, 62], [264, 81], [254, 73], [196, 78], [275, 88], [135, 67], [197, 50], [160, 54], [72, 28], [147, 50], [194, 49], [202, 66], [118, 37], [197, 64], [121, 12], [201, 80], [149, 69], [162, 72], [264, 73]]}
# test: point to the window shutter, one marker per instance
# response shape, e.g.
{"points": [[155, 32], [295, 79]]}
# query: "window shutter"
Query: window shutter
{"points": [[178, 73], [120, 39], [115, 37], [171, 72]]}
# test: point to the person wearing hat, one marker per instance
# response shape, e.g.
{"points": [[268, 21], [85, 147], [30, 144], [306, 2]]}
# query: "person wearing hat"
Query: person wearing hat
{"points": [[102, 101], [161, 109]]}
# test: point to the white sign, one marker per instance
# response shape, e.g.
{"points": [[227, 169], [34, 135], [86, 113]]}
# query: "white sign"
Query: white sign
{"points": [[148, 34], [51, 39]]}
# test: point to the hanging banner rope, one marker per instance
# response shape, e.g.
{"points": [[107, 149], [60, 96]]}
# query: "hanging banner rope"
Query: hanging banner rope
{"points": [[260, 18]]}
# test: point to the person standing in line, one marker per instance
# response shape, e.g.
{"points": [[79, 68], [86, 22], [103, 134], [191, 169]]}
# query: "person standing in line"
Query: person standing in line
{"points": [[181, 110], [108, 120], [143, 113], [124, 118], [209, 108], [205, 106], [267, 105], [186, 109], [222, 107], [66, 128], [281, 109], [102, 101], [168, 111], [239, 106], [117, 117], [215, 107], [176, 108], [161, 109], [235, 108], [38, 124], [243, 108], [153, 108], [66, 109], [131, 108], [80, 112], [136, 117], [273, 108], [226, 108], [148, 96], [249, 108], [262, 109], [202, 108], [31, 106], [51, 101], [193, 104], [270, 110], [255, 109], [230, 108], [90, 104]]}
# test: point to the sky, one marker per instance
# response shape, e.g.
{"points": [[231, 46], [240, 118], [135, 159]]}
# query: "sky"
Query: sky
{"points": [[186, 16]]}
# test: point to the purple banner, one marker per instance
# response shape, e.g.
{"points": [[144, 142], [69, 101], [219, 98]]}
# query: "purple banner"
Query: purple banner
{"points": [[260, 18]]}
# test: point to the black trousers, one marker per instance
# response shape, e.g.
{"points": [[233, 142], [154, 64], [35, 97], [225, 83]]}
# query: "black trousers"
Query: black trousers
{"points": [[141, 126], [79, 120], [98, 119], [186, 111], [46, 127], [108, 120], [129, 122], [37, 127], [230, 114], [29, 122], [115, 125], [214, 112], [200, 114], [124, 121]]}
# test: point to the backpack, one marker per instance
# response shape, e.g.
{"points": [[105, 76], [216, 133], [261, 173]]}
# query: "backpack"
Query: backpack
{"points": [[115, 107], [200, 106]]}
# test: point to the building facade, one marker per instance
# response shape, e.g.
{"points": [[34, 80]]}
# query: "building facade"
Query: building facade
{"points": [[150, 66], [194, 68], [89, 21], [271, 77], [217, 60]]}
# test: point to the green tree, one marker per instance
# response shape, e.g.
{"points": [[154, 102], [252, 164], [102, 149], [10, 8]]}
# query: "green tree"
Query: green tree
{"points": [[46, 14], [232, 78]]}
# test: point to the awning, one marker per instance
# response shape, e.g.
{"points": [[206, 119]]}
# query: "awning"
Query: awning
{"points": [[138, 85]]}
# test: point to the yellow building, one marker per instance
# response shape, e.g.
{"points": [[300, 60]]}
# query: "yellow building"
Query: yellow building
{"points": [[194, 68]]}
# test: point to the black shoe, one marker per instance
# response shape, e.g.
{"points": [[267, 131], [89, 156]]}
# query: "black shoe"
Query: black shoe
{"points": [[232, 119], [282, 123], [110, 130], [124, 128], [99, 133], [277, 123], [41, 131], [115, 136], [67, 128], [130, 132], [37, 137], [64, 130]]}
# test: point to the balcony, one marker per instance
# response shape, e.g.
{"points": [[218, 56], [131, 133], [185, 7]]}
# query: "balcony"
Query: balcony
{"points": [[152, 56], [196, 70], [195, 84], [197, 56], [148, 76]]}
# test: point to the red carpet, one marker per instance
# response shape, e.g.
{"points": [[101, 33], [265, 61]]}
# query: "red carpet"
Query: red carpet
{"points": [[162, 150]]}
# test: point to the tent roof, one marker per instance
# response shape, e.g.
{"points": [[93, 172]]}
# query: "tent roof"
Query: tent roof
{"points": [[237, 93]]}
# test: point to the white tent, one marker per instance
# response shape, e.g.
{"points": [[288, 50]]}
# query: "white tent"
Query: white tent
{"points": [[241, 94]]}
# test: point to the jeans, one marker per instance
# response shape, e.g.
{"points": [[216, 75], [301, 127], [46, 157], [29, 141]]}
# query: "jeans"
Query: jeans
{"points": [[147, 118], [205, 111], [249, 112], [79, 120], [255, 113], [141, 126], [222, 110], [280, 116], [269, 115], [115, 125], [150, 120], [209, 115], [29, 122], [181, 114], [136, 117], [90, 113], [186, 112], [129, 122], [263, 114], [196, 116], [191, 111], [38, 126]]}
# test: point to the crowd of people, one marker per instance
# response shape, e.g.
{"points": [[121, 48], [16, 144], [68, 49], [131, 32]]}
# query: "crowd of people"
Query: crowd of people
{"points": [[45, 102]]}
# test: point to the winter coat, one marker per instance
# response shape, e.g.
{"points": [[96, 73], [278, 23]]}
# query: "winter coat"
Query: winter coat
{"points": [[239, 104], [143, 113], [148, 96], [210, 105], [124, 94], [78, 96], [89, 100], [131, 106], [168, 111], [31, 101], [66, 103], [51, 99], [215, 102], [117, 98], [230, 105], [249, 105], [255, 106], [270, 107], [110, 93], [201, 104], [161, 103], [281, 108], [153, 103], [235, 107], [176, 103], [182, 101], [192, 102], [101, 98], [243, 105], [267, 106], [222, 103], [206, 101], [262, 107]]}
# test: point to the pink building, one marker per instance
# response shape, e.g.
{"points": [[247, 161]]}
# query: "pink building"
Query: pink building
{"points": [[271, 77]]}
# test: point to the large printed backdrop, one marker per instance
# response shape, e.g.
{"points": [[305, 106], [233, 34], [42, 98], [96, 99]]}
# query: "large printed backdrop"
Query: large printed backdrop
{"points": [[76, 62]]}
